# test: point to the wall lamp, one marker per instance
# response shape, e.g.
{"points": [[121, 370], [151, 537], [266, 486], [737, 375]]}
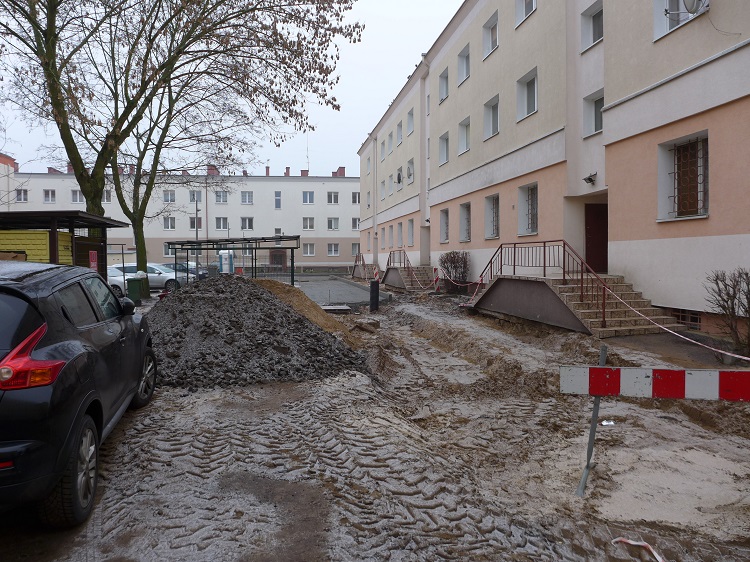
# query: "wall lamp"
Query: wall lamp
{"points": [[590, 179]]}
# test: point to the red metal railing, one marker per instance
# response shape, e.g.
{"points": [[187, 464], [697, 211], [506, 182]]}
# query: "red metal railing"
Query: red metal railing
{"points": [[545, 259], [399, 258], [359, 261]]}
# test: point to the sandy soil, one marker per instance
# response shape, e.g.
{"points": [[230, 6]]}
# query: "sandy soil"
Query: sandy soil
{"points": [[456, 446]]}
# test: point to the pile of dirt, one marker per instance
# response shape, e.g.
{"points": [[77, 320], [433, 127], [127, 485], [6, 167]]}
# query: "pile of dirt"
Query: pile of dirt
{"points": [[228, 330]]}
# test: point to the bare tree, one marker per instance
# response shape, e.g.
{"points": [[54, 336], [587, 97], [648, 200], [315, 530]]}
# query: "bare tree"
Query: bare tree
{"points": [[99, 69], [729, 296]]}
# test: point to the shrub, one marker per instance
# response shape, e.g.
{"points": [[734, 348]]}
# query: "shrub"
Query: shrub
{"points": [[455, 267], [729, 296]]}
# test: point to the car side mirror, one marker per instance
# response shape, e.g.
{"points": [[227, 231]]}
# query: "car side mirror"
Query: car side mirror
{"points": [[128, 306]]}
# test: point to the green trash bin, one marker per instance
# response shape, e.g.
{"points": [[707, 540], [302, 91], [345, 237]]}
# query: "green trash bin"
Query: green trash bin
{"points": [[135, 290]]}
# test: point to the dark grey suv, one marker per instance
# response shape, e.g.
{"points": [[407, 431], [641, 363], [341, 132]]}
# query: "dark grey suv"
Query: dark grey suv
{"points": [[73, 358]]}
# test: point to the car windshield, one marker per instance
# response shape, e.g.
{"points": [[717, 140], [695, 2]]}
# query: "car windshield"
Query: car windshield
{"points": [[19, 319]]}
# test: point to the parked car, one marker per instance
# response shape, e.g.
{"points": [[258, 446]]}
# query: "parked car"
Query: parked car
{"points": [[73, 358], [117, 280], [159, 276], [188, 267]]}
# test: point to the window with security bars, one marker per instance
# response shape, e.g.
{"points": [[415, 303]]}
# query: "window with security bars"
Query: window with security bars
{"points": [[689, 318], [464, 219], [690, 178], [492, 216], [532, 209]]}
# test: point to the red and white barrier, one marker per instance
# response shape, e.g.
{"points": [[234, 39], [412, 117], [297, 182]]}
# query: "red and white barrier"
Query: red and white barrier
{"points": [[697, 384], [377, 275]]}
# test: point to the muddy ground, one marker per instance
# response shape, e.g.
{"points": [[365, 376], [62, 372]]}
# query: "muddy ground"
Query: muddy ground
{"points": [[453, 444]]}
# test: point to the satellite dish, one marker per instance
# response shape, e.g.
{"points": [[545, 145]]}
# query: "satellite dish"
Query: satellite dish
{"points": [[408, 172], [398, 177], [692, 6]]}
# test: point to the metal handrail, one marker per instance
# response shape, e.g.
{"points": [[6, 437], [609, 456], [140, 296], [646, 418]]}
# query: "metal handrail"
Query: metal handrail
{"points": [[399, 258], [549, 255], [360, 260]]}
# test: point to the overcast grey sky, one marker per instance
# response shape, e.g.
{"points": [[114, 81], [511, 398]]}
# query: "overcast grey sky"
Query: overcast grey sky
{"points": [[372, 73]]}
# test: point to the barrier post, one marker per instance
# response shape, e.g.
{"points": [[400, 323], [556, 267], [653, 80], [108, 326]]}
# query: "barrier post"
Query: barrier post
{"points": [[374, 295], [592, 431]]}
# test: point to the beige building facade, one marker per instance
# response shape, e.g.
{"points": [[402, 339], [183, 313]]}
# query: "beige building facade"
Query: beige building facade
{"points": [[534, 121]]}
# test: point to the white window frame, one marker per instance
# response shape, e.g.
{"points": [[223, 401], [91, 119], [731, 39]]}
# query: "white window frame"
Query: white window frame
{"points": [[277, 200], [443, 86], [464, 222], [382, 190], [528, 213], [333, 197], [410, 122], [492, 117], [308, 249], [168, 252], [222, 197], [492, 216], [410, 232], [369, 199], [390, 184], [169, 223], [355, 223], [356, 249], [670, 15], [399, 179], [308, 197], [667, 206], [490, 35], [382, 150], [464, 136], [369, 242], [247, 223], [49, 196], [591, 18], [246, 197], [524, 9], [308, 223], [592, 104], [356, 197], [400, 235], [444, 226], [22, 195], [464, 64], [191, 224], [444, 149], [390, 142], [168, 196], [527, 94], [399, 133], [368, 165], [390, 236], [333, 223], [76, 196], [410, 172], [107, 196], [196, 195], [222, 223], [333, 249]]}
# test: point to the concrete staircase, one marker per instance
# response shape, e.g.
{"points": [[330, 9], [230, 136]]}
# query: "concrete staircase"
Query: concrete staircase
{"points": [[622, 313], [420, 279]]}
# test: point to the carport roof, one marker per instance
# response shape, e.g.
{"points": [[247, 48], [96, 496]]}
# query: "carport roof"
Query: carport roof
{"points": [[31, 220]]}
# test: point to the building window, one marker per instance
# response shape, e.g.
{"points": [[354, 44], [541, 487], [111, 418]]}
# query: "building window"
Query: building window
{"points": [[443, 85], [399, 178], [169, 196], [247, 197], [169, 223], [192, 223], [355, 197], [444, 148], [22, 195], [592, 25], [308, 249], [671, 14], [107, 196], [382, 190], [333, 223], [492, 216], [246, 223], [308, 223], [427, 104], [277, 232], [592, 113], [464, 135], [382, 238], [368, 165], [410, 171], [444, 225], [492, 117], [369, 200], [528, 213], [390, 142], [464, 64], [390, 236], [399, 133], [524, 8], [195, 196], [464, 222], [247, 250], [369, 242], [690, 178], [410, 232], [382, 150], [355, 248], [400, 235], [222, 196], [410, 122], [333, 197], [355, 223], [49, 195], [689, 318], [222, 223], [76, 196], [333, 249], [308, 197], [489, 35], [526, 94], [390, 184], [277, 199], [169, 252]]}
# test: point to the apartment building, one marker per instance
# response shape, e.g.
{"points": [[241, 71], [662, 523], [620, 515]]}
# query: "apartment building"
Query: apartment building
{"points": [[587, 121], [324, 211]]}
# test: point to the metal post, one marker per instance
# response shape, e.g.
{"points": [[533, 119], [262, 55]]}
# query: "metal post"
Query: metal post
{"points": [[292, 267], [592, 430], [374, 295]]}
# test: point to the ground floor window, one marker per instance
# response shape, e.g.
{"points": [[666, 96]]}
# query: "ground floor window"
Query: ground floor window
{"points": [[308, 249], [689, 318], [333, 249]]}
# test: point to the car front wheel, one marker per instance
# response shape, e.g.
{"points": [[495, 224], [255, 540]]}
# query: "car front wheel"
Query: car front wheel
{"points": [[117, 291], [72, 499], [146, 382], [171, 285]]}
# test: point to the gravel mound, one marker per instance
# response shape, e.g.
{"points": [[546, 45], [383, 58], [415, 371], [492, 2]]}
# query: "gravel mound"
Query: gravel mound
{"points": [[228, 330]]}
